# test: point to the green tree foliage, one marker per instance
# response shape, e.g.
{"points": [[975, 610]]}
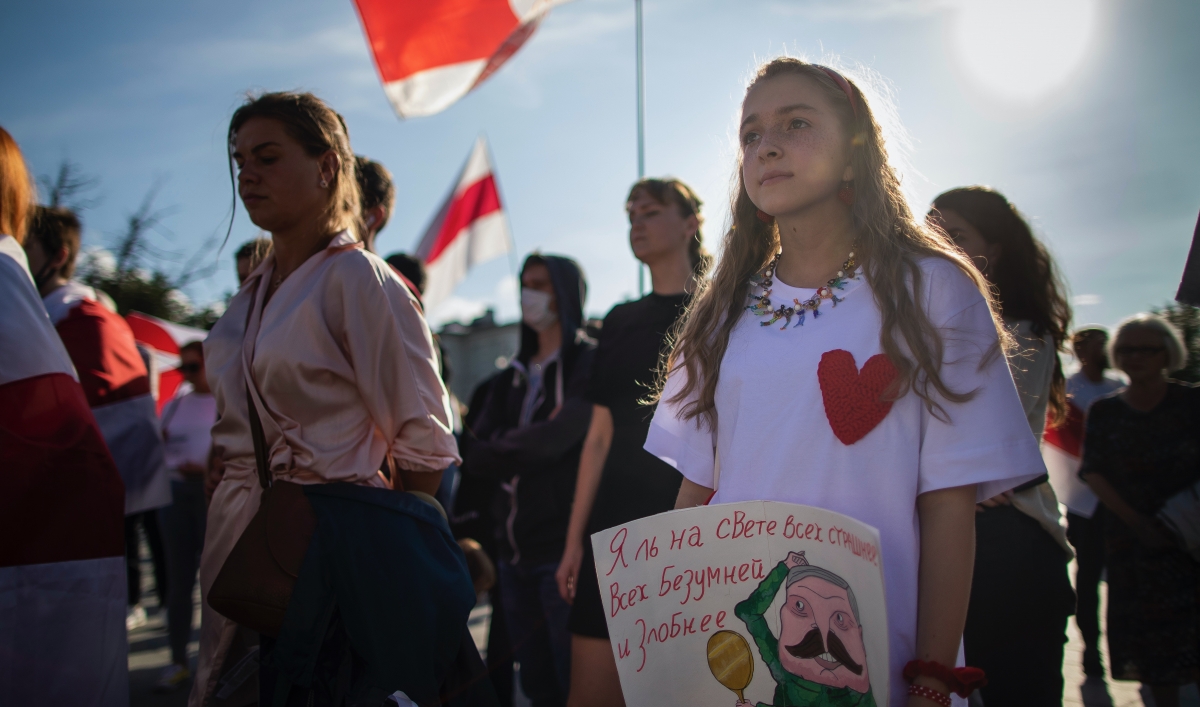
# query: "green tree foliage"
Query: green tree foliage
{"points": [[138, 280], [1187, 320]]}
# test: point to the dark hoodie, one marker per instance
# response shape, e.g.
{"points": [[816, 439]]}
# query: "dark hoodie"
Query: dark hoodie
{"points": [[537, 463]]}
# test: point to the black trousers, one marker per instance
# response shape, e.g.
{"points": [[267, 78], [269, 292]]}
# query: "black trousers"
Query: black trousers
{"points": [[133, 569], [1017, 619], [1087, 537], [499, 650]]}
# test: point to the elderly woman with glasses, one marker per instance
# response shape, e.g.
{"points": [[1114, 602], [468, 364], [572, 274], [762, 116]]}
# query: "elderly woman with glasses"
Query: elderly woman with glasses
{"points": [[1141, 448]]}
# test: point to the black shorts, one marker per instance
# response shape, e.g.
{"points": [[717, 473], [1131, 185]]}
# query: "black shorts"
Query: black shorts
{"points": [[587, 613]]}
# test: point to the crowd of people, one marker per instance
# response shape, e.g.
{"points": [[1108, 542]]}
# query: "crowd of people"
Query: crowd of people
{"points": [[272, 477]]}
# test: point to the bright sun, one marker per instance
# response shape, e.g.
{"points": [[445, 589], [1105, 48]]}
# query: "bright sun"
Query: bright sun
{"points": [[1020, 50]]}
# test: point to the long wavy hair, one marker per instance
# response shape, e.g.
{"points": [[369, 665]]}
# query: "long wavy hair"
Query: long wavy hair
{"points": [[1026, 280], [890, 245]]}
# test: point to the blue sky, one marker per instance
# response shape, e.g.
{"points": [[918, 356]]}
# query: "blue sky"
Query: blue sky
{"points": [[1104, 161]]}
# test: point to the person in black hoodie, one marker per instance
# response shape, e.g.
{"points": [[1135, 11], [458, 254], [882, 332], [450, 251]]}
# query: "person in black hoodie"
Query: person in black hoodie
{"points": [[529, 437]]}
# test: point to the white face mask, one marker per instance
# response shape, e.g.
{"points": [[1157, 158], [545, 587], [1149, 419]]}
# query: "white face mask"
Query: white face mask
{"points": [[535, 309]]}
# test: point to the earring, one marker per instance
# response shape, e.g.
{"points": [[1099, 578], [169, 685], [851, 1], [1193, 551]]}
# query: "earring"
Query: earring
{"points": [[846, 194], [765, 217], [324, 183]]}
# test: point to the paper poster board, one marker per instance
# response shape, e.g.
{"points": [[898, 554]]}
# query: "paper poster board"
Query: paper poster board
{"points": [[745, 602]]}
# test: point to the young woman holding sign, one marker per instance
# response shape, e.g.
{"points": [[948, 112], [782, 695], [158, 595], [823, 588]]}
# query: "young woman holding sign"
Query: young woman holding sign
{"points": [[846, 356]]}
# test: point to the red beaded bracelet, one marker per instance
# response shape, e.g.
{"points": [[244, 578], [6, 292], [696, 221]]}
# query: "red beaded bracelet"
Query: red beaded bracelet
{"points": [[961, 681], [930, 694]]}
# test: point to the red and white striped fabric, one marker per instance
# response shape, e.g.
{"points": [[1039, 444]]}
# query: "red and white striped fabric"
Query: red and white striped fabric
{"points": [[470, 228], [1062, 450], [430, 53], [1062, 446], [117, 387], [62, 561], [164, 339]]}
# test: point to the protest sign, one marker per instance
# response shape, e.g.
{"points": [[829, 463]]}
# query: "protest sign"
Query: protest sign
{"points": [[746, 603]]}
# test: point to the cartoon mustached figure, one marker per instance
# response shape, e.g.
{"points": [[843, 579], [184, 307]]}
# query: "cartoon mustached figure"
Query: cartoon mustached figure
{"points": [[819, 658]]}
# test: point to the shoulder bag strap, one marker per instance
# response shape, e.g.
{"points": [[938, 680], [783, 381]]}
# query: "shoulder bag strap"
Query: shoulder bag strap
{"points": [[260, 443], [256, 428]]}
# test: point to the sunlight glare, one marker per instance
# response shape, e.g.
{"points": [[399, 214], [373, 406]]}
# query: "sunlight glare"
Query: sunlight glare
{"points": [[1019, 50]]}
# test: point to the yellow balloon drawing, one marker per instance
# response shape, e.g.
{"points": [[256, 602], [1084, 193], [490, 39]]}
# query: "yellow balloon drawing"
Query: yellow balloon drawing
{"points": [[730, 661]]}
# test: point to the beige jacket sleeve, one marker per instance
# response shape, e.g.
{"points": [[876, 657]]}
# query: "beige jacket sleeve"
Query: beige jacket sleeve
{"points": [[391, 350]]}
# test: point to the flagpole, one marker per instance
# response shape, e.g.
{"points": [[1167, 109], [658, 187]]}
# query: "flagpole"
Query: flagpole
{"points": [[641, 124]]}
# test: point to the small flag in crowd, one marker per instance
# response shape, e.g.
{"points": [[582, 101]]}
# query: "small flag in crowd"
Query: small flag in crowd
{"points": [[164, 340], [430, 53], [1062, 449], [470, 228]]}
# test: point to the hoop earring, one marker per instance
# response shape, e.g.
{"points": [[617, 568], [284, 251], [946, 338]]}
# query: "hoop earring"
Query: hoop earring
{"points": [[846, 194], [324, 184], [765, 217]]}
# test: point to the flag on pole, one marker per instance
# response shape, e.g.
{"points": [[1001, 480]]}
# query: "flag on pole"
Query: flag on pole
{"points": [[164, 340], [470, 228], [430, 53]]}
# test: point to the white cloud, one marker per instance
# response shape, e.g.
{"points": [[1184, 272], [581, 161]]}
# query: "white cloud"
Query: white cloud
{"points": [[508, 288], [1086, 300], [576, 27], [180, 298], [94, 259], [455, 309]]}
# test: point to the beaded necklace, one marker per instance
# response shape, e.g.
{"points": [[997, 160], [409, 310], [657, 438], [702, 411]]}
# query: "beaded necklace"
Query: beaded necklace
{"points": [[760, 305]]}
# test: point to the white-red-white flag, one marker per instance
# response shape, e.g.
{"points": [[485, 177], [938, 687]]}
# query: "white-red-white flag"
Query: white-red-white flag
{"points": [[164, 339], [470, 228], [1062, 450], [62, 517], [430, 53]]}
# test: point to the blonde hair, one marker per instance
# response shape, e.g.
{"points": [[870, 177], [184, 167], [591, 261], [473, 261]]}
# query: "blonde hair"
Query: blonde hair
{"points": [[1177, 353], [319, 129], [890, 245], [16, 189], [670, 191]]}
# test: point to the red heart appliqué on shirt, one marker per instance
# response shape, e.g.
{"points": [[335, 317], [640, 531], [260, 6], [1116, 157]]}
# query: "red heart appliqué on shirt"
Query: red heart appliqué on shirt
{"points": [[852, 398]]}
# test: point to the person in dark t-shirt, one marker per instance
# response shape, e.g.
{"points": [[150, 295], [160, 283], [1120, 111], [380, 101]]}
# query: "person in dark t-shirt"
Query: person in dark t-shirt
{"points": [[618, 480]]}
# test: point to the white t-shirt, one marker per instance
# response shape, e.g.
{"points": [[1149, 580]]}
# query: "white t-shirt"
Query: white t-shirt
{"points": [[1082, 392], [776, 442], [187, 430]]}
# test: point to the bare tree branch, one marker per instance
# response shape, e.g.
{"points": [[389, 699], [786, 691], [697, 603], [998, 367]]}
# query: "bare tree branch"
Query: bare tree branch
{"points": [[132, 245], [69, 186]]}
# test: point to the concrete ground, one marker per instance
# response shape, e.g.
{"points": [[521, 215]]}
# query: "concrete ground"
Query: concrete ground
{"points": [[1124, 694]]}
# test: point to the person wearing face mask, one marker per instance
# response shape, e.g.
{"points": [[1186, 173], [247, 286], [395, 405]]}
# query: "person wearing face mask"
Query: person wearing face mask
{"points": [[529, 436]]}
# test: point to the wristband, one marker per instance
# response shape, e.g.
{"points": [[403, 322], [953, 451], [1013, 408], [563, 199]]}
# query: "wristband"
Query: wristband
{"points": [[930, 694], [961, 681]]}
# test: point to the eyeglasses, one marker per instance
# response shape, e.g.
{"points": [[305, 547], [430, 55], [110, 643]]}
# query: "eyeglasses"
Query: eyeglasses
{"points": [[189, 368], [1143, 350]]}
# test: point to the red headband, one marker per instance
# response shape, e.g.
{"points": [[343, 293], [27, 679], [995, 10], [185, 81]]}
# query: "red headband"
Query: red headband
{"points": [[842, 84]]}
